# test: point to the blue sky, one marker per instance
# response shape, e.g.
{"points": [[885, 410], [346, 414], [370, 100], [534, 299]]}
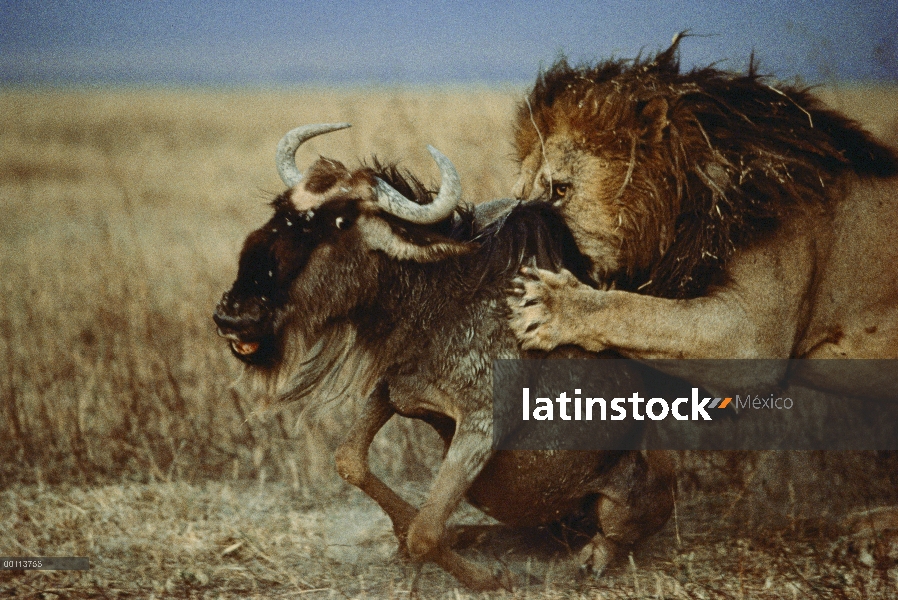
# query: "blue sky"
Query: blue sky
{"points": [[92, 42]]}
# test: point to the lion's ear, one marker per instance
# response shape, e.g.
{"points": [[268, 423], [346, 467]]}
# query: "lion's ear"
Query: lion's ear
{"points": [[654, 118]]}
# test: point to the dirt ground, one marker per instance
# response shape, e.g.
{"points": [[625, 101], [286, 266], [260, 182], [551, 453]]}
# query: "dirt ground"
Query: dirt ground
{"points": [[244, 540]]}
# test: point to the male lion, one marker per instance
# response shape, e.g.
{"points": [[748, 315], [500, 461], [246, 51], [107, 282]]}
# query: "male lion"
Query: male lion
{"points": [[728, 218]]}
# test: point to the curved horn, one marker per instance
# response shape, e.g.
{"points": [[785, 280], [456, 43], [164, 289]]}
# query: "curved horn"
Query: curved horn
{"points": [[286, 152], [442, 206]]}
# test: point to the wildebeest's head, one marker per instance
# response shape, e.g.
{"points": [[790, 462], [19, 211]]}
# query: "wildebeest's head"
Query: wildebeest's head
{"points": [[318, 258]]}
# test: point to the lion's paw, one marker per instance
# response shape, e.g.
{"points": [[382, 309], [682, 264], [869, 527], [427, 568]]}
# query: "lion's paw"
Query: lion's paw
{"points": [[595, 557], [537, 301]]}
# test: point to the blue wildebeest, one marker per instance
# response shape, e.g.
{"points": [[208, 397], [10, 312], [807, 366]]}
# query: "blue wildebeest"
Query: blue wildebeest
{"points": [[364, 284]]}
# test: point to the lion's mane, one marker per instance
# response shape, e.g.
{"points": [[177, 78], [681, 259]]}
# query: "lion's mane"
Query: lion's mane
{"points": [[737, 153]]}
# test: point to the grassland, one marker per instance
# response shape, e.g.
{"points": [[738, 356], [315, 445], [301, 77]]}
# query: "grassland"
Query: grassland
{"points": [[122, 438]]}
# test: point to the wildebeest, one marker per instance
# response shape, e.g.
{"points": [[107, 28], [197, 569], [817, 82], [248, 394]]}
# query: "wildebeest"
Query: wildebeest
{"points": [[354, 289], [733, 218]]}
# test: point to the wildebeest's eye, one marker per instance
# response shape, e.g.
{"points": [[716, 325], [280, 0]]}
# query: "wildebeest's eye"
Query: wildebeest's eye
{"points": [[344, 220]]}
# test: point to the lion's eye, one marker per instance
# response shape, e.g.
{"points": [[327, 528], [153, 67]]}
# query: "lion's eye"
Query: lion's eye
{"points": [[559, 191]]}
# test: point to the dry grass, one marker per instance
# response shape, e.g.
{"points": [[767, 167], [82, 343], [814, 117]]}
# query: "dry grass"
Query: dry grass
{"points": [[121, 439]]}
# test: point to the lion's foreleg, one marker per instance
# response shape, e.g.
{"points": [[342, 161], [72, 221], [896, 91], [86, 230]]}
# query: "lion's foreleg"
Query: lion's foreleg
{"points": [[552, 309], [759, 312]]}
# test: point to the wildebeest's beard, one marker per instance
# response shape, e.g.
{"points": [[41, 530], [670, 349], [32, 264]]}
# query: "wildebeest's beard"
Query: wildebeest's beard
{"points": [[328, 366]]}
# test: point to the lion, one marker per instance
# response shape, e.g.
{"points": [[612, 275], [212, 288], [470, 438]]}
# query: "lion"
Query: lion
{"points": [[726, 218]]}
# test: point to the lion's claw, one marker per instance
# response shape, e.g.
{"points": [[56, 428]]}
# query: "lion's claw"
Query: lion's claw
{"points": [[547, 309], [533, 302]]}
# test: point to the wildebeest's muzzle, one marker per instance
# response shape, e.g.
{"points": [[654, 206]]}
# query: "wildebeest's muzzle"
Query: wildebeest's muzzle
{"points": [[247, 323]]}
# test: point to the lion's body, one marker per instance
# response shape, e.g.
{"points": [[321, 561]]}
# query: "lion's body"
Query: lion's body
{"points": [[735, 220], [853, 287]]}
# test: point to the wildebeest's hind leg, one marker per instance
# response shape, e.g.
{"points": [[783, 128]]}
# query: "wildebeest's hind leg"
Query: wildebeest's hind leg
{"points": [[352, 465], [635, 503]]}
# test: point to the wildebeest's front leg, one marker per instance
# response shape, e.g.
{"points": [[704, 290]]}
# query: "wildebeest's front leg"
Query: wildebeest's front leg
{"points": [[352, 462], [469, 451], [352, 465]]}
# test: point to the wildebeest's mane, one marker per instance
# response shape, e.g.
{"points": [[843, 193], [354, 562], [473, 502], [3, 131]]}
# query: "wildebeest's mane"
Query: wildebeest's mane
{"points": [[402, 180], [531, 234], [414, 189], [737, 155]]}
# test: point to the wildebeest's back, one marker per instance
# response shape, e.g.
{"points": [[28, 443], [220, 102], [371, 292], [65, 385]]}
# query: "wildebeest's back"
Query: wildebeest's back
{"points": [[455, 316]]}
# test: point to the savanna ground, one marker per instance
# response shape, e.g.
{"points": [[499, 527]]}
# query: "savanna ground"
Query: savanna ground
{"points": [[122, 438]]}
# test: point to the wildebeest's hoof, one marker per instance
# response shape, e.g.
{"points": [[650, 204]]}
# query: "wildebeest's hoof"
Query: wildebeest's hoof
{"points": [[475, 576], [422, 538]]}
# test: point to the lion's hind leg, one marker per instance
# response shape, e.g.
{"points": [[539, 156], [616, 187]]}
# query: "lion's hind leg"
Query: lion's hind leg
{"points": [[636, 503]]}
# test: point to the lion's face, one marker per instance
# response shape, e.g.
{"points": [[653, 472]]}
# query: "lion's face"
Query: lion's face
{"points": [[585, 189], [663, 175], [608, 198]]}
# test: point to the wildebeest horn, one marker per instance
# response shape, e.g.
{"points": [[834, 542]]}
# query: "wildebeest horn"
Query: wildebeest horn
{"points": [[286, 153], [442, 206]]}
